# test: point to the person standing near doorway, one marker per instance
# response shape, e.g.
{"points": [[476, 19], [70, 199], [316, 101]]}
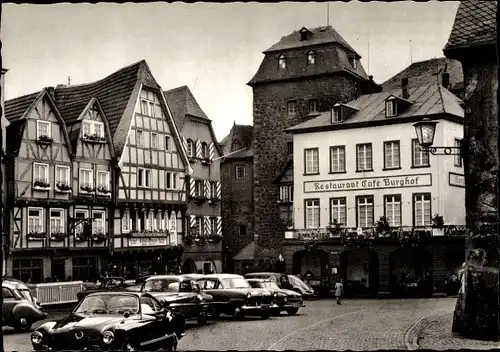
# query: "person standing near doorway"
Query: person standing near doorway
{"points": [[339, 291]]}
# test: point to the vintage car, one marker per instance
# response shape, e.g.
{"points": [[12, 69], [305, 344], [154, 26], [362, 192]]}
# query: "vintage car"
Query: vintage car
{"points": [[283, 300], [20, 309], [111, 321], [234, 296], [180, 293], [111, 283], [284, 281]]}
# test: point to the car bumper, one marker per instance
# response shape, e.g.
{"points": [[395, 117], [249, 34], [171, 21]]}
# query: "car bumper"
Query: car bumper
{"points": [[293, 305], [256, 309]]}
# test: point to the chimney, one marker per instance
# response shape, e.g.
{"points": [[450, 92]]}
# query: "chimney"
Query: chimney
{"points": [[445, 78], [51, 91], [404, 88], [69, 80]]}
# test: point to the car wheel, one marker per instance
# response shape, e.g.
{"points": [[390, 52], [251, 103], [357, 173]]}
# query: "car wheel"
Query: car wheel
{"points": [[202, 318], [238, 313], [23, 324], [276, 311], [292, 311], [215, 313], [265, 315]]}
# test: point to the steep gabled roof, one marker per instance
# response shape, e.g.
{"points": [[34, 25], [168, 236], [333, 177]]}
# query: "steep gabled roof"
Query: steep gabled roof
{"points": [[475, 25], [432, 99], [319, 35], [427, 72], [241, 133], [15, 108], [182, 104]]}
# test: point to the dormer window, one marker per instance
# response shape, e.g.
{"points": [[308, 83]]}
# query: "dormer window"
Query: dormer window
{"points": [[282, 62], [337, 113], [311, 58], [354, 63], [391, 107], [304, 34]]}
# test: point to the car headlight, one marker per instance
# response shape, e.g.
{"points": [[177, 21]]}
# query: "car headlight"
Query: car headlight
{"points": [[108, 337], [275, 294], [36, 337], [199, 298], [249, 295], [285, 299]]}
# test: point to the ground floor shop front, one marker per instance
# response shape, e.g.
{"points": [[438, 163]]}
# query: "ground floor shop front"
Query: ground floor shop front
{"points": [[202, 258], [386, 267]]}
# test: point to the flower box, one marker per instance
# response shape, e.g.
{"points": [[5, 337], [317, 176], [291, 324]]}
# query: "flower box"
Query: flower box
{"points": [[80, 238], [206, 161], [199, 199], [62, 187], [86, 189], [94, 139], [44, 140], [214, 238], [57, 236], [103, 192], [98, 237], [213, 200], [192, 160], [36, 236], [41, 185]]}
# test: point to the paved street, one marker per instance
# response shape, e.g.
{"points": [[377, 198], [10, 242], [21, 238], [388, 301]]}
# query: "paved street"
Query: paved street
{"points": [[356, 325]]}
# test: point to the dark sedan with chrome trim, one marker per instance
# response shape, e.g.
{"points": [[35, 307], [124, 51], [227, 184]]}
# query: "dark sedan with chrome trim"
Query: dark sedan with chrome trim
{"points": [[234, 296], [180, 293], [283, 300], [110, 321]]}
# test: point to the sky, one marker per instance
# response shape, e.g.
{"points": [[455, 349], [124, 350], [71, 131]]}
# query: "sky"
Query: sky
{"points": [[213, 48]]}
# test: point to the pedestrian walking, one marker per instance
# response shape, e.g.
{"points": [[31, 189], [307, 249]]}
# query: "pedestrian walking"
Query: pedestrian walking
{"points": [[339, 291]]}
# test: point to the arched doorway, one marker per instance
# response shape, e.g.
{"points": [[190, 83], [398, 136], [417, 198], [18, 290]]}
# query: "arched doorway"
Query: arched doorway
{"points": [[312, 266], [410, 272], [359, 268], [189, 267]]}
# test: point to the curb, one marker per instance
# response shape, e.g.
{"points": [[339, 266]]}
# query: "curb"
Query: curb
{"points": [[412, 333]]}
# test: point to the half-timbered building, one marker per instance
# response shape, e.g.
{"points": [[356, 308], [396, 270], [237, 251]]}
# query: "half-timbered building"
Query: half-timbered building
{"points": [[38, 163], [203, 243], [4, 123]]}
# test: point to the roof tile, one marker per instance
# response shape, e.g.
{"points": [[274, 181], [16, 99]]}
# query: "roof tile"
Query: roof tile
{"points": [[182, 103]]}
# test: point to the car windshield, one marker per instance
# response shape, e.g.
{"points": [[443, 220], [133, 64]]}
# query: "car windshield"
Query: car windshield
{"points": [[269, 284], [236, 282], [294, 280], [25, 294], [108, 304], [162, 285]]}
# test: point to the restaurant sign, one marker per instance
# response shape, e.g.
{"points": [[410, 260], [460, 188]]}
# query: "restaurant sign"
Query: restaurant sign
{"points": [[456, 180], [313, 234], [352, 184], [147, 241]]}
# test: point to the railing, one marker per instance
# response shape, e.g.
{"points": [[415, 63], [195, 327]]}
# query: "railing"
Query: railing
{"points": [[396, 232], [56, 292]]}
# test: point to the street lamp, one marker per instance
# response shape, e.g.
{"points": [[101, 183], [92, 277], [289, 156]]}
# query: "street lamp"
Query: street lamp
{"points": [[426, 129]]}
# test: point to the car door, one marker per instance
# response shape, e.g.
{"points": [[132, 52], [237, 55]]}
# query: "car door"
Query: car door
{"points": [[9, 301], [152, 332]]}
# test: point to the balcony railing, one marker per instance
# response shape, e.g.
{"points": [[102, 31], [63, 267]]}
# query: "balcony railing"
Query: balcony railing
{"points": [[395, 232]]}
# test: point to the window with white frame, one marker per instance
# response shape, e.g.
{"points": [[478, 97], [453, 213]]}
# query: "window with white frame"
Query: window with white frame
{"points": [[213, 226], [393, 209], [420, 157], [43, 128], [365, 211], [143, 177], [144, 107], [313, 106], [199, 225], [204, 150], [93, 128], [190, 148], [62, 175], [79, 216], [126, 221], [139, 138], [286, 193], [311, 58], [57, 221], [35, 220], [41, 174], [213, 189], [168, 180], [337, 159], [311, 161], [458, 156], [292, 108], [364, 157], [391, 107], [239, 172], [312, 213], [338, 211], [422, 209], [392, 155], [282, 62], [158, 222], [98, 222], [103, 181], [154, 141], [86, 179], [167, 142], [152, 109]]}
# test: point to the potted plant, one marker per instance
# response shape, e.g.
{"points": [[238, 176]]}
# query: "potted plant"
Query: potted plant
{"points": [[103, 190], [43, 139], [98, 237], [437, 225], [80, 237], [192, 159], [86, 188], [36, 236], [382, 227], [57, 236], [334, 229], [63, 187], [200, 240], [94, 138], [206, 161], [41, 184], [214, 238]]}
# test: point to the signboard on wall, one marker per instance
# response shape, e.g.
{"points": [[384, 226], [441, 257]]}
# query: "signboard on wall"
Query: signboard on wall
{"points": [[456, 180], [367, 183], [147, 241]]}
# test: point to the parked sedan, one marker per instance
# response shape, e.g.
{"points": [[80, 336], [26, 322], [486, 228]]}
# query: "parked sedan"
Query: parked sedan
{"points": [[110, 321], [234, 296], [284, 281], [19, 308], [283, 300], [111, 283], [180, 293]]}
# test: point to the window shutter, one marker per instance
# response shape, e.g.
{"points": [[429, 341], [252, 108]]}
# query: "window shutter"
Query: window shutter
{"points": [[185, 144], [219, 226], [198, 148], [192, 221], [206, 229], [211, 151], [218, 190], [207, 188], [192, 188]]}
